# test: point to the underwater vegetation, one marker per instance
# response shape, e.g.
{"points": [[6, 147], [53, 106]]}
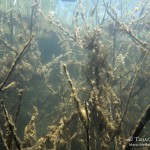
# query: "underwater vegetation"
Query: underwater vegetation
{"points": [[74, 75]]}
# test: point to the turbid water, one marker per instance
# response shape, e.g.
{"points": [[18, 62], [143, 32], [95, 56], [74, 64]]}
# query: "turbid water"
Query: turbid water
{"points": [[74, 75]]}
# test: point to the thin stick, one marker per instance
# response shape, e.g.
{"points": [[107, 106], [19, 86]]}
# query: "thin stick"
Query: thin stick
{"points": [[114, 45], [77, 101], [11, 126], [9, 47], [31, 20], [15, 63], [19, 105], [87, 128], [11, 22], [2, 139]]}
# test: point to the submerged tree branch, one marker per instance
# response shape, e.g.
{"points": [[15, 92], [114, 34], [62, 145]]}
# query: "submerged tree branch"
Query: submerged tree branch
{"points": [[11, 126], [20, 93], [130, 93], [7, 46], [139, 127], [15, 63], [81, 111], [88, 125], [10, 123], [3, 141], [138, 42], [142, 45]]}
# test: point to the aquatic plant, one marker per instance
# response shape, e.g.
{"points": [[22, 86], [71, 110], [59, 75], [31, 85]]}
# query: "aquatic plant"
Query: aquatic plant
{"points": [[90, 94]]}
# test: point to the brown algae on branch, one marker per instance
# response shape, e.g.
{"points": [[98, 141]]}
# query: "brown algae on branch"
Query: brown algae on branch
{"points": [[82, 104], [77, 101], [2, 88], [16, 62]]}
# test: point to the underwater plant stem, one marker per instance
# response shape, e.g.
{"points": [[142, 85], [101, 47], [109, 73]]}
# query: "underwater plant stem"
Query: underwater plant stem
{"points": [[145, 117], [104, 16], [61, 28], [114, 46], [15, 63], [130, 93], [77, 101], [11, 22], [88, 127], [19, 105], [11, 126], [2, 139], [83, 16], [128, 31], [21, 21], [64, 123], [31, 20], [9, 47]]}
